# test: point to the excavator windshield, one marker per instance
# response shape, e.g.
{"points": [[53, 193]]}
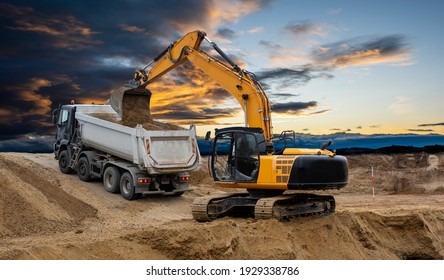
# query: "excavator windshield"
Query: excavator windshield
{"points": [[235, 156]]}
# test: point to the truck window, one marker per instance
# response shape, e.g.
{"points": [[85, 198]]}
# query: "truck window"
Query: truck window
{"points": [[63, 117]]}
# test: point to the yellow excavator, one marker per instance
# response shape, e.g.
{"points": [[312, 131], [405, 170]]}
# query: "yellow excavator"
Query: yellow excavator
{"points": [[245, 157]]}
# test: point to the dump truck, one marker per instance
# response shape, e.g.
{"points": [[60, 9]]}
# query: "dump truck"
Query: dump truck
{"points": [[92, 141]]}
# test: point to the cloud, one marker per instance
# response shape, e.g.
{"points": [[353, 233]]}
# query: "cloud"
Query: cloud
{"points": [[257, 29], [285, 76], [232, 10], [226, 33], [132, 28], [364, 51], [432, 124], [187, 95], [306, 27], [72, 53], [61, 31], [283, 95], [30, 143], [420, 130], [293, 108], [28, 93]]}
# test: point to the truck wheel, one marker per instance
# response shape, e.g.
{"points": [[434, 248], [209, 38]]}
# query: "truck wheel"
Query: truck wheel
{"points": [[64, 162], [83, 169], [127, 189], [111, 179]]}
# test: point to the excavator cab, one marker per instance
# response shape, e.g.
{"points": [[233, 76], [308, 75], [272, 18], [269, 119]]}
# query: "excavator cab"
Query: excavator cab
{"points": [[235, 154]]}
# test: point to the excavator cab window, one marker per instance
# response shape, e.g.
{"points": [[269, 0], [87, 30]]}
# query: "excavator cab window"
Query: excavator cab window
{"points": [[235, 157]]}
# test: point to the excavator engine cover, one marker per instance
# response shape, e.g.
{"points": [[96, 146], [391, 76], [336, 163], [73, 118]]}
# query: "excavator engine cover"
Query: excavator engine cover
{"points": [[318, 172]]}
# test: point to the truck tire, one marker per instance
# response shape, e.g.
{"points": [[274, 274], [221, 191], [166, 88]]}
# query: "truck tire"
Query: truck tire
{"points": [[111, 179], [127, 189], [83, 169], [64, 162]]}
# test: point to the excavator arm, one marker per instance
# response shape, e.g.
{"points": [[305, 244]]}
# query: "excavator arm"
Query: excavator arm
{"points": [[241, 84]]}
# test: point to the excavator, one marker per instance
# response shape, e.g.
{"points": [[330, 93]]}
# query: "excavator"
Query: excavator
{"points": [[245, 157]]}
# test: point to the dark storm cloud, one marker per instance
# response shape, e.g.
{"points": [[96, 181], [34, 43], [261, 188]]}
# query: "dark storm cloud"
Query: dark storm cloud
{"points": [[305, 27], [340, 130], [270, 45], [420, 130], [363, 50], [432, 124], [292, 76], [285, 77], [226, 33], [28, 144], [283, 95], [293, 107], [52, 52]]}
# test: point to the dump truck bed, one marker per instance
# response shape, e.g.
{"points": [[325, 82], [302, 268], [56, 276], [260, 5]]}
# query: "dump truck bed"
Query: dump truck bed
{"points": [[157, 151]]}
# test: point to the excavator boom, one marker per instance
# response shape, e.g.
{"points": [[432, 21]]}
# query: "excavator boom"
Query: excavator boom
{"points": [[240, 83]]}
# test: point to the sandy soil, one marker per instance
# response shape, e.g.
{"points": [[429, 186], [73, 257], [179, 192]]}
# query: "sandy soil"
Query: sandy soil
{"points": [[49, 215]]}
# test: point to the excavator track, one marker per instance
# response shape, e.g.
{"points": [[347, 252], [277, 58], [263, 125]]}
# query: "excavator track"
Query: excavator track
{"points": [[281, 207], [284, 207], [202, 207]]}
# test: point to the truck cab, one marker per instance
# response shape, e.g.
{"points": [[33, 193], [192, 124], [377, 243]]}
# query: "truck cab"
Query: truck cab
{"points": [[64, 119]]}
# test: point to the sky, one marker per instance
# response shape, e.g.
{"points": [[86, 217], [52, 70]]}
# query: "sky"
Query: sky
{"points": [[357, 67]]}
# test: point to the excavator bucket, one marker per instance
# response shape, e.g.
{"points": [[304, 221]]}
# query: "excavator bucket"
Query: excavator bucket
{"points": [[128, 98]]}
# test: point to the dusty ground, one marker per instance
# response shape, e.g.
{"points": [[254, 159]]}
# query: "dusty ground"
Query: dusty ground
{"points": [[49, 215]]}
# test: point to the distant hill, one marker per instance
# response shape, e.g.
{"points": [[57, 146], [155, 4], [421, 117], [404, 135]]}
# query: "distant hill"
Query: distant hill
{"points": [[392, 150]]}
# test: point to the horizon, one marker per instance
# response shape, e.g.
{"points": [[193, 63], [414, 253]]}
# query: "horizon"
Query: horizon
{"points": [[327, 67], [340, 140]]}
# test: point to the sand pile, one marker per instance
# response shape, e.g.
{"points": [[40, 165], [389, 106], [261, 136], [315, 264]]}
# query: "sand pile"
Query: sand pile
{"points": [[31, 201]]}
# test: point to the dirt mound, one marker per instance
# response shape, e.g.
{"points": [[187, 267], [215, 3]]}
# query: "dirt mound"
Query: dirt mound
{"points": [[397, 174], [32, 201], [342, 236]]}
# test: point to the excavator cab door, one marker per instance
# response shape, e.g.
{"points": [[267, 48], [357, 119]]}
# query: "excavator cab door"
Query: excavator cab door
{"points": [[235, 157]]}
